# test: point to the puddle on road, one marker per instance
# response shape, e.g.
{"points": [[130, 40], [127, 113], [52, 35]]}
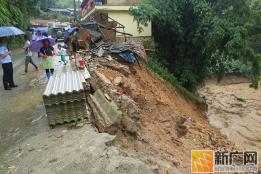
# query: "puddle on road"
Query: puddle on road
{"points": [[235, 109]]}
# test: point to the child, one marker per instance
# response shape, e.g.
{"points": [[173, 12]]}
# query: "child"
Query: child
{"points": [[62, 52]]}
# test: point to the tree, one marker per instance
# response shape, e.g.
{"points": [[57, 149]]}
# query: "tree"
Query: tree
{"points": [[18, 12], [193, 36]]}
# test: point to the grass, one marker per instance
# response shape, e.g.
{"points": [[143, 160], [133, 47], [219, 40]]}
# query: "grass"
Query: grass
{"points": [[164, 73]]}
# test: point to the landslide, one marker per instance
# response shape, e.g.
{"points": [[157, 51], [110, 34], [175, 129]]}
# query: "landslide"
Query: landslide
{"points": [[167, 126]]}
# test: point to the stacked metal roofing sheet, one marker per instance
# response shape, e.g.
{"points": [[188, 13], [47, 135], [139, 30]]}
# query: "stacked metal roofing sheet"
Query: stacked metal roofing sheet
{"points": [[64, 98]]}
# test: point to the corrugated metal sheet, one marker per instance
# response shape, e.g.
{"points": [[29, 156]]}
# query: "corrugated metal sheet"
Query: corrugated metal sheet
{"points": [[64, 97], [67, 112], [64, 87]]}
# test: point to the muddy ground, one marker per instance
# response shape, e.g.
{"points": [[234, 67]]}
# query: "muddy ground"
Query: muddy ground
{"points": [[235, 109], [165, 129], [20, 108], [28, 145]]}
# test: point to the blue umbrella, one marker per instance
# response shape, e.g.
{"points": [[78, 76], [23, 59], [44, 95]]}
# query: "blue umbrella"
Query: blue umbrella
{"points": [[10, 31], [38, 44], [68, 33]]}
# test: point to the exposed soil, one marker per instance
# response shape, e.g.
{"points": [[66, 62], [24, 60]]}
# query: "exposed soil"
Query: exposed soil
{"points": [[170, 125]]}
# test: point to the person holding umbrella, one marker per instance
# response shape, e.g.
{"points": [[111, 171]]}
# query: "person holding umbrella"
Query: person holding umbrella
{"points": [[46, 51], [5, 55], [7, 65]]}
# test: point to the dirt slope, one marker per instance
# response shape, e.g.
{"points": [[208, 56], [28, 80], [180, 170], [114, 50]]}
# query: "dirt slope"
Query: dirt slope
{"points": [[170, 126]]}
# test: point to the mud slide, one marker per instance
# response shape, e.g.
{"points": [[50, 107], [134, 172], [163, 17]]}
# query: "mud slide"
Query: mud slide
{"points": [[166, 126], [235, 109]]}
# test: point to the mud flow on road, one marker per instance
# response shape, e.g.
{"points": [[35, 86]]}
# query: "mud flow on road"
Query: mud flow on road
{"points": [[235, 109]]}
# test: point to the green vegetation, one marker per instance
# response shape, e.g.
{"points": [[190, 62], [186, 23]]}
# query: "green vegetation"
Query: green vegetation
{"points": [[48, 15], [196, 37], [18, 13], [11, 14], [164, 73]]}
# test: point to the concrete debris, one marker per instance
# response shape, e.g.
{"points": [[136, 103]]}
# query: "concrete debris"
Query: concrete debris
{"points": [[117, 81], [103, 78], [109, 58], [107, 97], [106, 113], [100, 52], [125, 70], [139, 50], [127, 51], [131, 117]]}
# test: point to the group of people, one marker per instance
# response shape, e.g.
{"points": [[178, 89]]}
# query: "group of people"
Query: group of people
{"points": [[46, 53]]}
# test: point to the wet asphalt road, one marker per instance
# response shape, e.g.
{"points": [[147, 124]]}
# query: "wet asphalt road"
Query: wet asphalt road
{"points": [[21, 108]]}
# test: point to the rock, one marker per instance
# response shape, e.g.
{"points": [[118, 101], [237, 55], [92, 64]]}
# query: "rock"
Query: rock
{"points": [[100, 52], [181, 128], [131, 117], [109, 57], [107, 97], [103, 78], [118, 81], [117, 67]]}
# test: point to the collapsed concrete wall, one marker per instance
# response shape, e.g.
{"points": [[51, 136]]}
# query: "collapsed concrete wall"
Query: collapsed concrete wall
{"points": [[112, 110]]}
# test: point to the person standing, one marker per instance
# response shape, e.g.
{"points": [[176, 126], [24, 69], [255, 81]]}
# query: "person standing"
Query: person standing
{"points": [[75, 43], [29, 54], [7, 65], [61, 52], [47, 52]]}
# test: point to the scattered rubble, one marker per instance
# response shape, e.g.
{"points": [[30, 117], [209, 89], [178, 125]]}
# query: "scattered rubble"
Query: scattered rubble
{"points": [[117, 81], [145, 115], [154, 119]]}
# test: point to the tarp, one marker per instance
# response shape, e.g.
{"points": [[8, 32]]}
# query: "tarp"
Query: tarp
{"points": [[128, 57]]}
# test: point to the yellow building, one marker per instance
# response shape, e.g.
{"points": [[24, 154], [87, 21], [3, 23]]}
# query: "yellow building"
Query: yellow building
{"points": [[120, 13]]}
